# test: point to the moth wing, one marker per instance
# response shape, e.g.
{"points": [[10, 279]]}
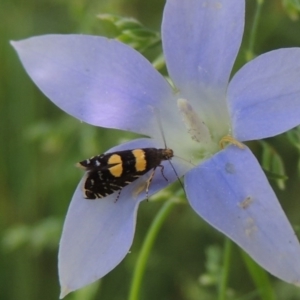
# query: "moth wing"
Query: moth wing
{"points": [[100, 183], [98, 162]]}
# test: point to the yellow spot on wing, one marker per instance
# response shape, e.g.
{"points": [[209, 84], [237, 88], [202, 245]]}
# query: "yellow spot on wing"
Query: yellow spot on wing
{"points": [[140, 161], [116, 160]]}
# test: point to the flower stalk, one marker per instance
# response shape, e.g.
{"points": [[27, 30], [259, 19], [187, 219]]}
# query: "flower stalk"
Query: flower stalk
{"points": [[146, 248]]}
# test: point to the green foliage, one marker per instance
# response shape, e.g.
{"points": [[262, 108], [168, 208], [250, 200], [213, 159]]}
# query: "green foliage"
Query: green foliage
{"points": [[38, 237], [273, 165], [294, 138], [259, 277], [136, 35], [213, 266], [87, 293], [293, 8], [132, 32]]}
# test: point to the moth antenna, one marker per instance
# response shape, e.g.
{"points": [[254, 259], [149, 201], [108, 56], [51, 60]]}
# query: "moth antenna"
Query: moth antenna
{"points": [[188, 161], [157, 115], [158, 119], [177, 177]]}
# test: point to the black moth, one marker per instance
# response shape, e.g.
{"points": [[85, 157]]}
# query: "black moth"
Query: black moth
{"points": [[110, 172]]}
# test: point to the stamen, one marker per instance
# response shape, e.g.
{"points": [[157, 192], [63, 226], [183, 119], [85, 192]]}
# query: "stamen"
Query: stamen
{"points": [[196, 128], [231, 140]]}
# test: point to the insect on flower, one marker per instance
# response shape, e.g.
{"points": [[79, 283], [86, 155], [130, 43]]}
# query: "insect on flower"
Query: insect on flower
{"points": [[107, 84], [110, 172]]}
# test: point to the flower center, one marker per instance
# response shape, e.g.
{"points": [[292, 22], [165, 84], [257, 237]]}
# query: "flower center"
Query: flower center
{"points": [[196, 127], [205, 137]]}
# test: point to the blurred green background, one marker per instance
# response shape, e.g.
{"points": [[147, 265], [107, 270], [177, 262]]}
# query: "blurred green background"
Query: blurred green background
{"points": [[39, 145]]}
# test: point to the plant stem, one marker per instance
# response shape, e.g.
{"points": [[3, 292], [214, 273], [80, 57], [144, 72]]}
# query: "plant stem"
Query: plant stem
{"points": [[146, 248], [250, 52], [225, 271], [259, 277]]}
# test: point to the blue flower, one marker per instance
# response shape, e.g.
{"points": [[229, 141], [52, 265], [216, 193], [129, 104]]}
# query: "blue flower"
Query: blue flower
{"points": [[106, 83]]}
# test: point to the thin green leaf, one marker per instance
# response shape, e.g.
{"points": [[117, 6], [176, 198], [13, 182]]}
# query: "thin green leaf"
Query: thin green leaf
{"points": [[272, 162], [292, 8], [259, 277]]}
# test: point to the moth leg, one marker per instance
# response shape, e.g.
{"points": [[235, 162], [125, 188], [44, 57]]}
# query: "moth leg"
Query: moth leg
{"points": [[149, 182], [162, 172], [151, 177], [118, 195]]}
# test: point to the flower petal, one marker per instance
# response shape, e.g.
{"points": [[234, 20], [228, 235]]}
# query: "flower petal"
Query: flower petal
{"points": [[264, 96], [231, 192], [96, 237], [201, 40], [97, 80], [97, 234]]}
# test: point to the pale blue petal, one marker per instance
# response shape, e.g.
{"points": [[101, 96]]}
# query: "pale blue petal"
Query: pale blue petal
{"points": [[264, 96], [96, 237], [97, 234], [231, 192], [97, 80], [201, 40]]}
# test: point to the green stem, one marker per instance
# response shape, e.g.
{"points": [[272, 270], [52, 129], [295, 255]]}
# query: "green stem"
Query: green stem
{"points": [[225, 271], [250, 52], [146, 248], [259, 277]]}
